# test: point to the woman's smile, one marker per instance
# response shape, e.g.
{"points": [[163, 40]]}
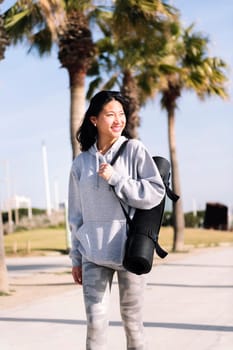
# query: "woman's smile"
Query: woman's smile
{"points": [[118, 127]]}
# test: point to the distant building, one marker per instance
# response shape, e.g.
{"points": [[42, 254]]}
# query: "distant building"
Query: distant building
{"points": [[216, 216], [17, 202]]}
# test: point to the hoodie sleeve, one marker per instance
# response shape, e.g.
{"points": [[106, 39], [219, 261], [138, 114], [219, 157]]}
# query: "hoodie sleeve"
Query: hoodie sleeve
{"points": [[74, 217], [144, 188]]}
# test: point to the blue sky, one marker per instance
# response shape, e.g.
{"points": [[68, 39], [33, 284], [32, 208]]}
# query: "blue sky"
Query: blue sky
{"points": [[34, 100]]}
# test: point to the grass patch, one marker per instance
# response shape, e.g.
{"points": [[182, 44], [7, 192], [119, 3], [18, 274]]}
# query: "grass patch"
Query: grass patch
{"points": [[4, 294], [196, 237], [36, 241], [40, 241]]}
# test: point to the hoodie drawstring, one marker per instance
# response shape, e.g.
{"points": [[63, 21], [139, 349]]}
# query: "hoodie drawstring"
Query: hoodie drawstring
{"points": [[99, 159]]}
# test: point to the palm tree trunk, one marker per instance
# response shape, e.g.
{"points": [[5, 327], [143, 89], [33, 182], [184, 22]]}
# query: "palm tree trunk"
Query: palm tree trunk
{"points": [[4, 285], [130, 90], [178, 216], [77, 107]]}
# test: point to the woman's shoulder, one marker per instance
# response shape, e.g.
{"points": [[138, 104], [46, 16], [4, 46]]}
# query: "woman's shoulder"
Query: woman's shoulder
{"points": [[136, 144], [79, 159]]}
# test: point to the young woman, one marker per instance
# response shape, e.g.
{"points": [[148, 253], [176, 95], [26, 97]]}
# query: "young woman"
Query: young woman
{"points": [[97, 221]]}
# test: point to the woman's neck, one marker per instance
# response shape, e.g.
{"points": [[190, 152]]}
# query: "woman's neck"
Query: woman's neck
{"points": [[104, 145]]}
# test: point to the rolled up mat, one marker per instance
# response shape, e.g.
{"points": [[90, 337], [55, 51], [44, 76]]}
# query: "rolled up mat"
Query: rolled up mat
{"points": [[144, 230]]}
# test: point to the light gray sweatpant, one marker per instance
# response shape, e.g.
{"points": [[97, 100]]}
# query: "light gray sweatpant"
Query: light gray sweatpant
{"points": [[97, 282]]}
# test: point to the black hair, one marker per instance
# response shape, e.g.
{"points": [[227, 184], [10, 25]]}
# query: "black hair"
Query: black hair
{"points": [[86, 135]]}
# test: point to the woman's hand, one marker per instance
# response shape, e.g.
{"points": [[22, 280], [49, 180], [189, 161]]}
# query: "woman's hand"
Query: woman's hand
{"points": [[77, 274], [105, 171]]}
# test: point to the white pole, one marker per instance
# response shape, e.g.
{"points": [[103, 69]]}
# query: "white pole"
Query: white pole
{"points": [[46, 178], [56, 195]]}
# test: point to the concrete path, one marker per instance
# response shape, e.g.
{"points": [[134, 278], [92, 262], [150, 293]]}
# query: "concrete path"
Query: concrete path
{"points": [[189, 305], [27, 265]]}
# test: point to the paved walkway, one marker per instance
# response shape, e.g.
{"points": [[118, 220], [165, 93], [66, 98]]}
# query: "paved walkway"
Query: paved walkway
{"points": [[189, 305]]}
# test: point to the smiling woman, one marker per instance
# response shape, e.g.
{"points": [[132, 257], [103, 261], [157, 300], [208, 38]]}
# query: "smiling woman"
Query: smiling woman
{"points": [[98, 224]]}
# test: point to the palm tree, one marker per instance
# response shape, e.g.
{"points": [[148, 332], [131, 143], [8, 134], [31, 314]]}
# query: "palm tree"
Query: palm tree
{"points": [[30, 21], [187, 66], [126, 49], [4, 285]]}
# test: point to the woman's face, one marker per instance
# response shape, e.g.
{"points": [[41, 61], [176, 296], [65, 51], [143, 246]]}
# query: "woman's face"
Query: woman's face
{"points": [[111, 120]]}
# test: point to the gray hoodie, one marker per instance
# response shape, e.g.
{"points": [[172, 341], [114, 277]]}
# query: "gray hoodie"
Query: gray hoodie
{"points": [[97, 221]]}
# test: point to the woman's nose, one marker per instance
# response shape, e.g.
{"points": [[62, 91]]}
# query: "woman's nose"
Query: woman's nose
{"points": [[118, 118]]}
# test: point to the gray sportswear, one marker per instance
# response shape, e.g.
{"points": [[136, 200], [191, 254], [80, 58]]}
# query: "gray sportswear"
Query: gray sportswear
{"points": [[97, 221]]}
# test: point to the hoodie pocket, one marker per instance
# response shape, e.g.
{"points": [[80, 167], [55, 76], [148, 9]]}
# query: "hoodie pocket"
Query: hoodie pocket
{"points": [[103, 242]]}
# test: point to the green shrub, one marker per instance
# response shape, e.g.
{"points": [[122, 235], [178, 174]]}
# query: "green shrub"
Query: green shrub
{"points": [[192, 220]]}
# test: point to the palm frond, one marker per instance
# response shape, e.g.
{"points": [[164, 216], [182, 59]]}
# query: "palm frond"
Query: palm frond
{"points": [[93, 86], [21, 21], [110, 83], [42, 42]]}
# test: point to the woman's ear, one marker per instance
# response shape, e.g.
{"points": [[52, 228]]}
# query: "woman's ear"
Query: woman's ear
{"points": [[93, 120]]}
